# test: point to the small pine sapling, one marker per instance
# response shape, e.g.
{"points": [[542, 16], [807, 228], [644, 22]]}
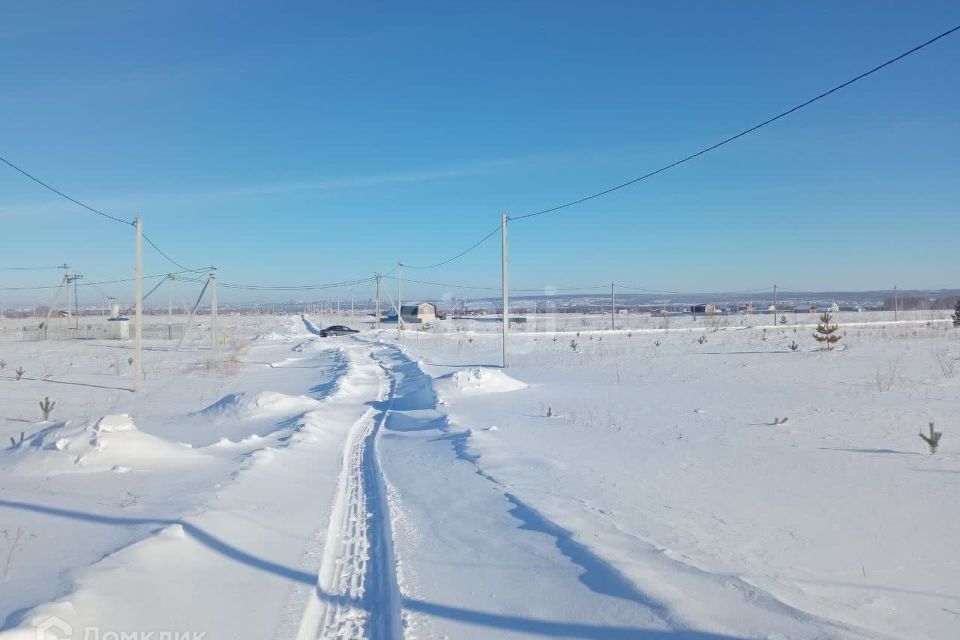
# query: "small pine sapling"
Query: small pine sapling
{"points": [[47, 408], [702, 339], [19, 372], [783, 319], [826, 332], [933, 440], [793, 346]]}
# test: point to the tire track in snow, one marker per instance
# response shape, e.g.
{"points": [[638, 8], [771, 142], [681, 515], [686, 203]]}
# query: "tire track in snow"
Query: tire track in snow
{"points": [[357, 595]]}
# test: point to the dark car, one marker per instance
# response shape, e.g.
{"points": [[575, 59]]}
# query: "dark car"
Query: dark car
{"points": [[337, 330]]}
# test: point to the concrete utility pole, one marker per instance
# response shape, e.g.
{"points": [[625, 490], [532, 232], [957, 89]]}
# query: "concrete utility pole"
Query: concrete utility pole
{"points": [[138, 319], [377, 310], [170, 307], [399, 298], [213, 310], [504, 271], [76, 299], [613, 308]]}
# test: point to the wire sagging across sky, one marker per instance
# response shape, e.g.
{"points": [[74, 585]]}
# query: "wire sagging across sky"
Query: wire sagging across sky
{"points": [[705, 150]]}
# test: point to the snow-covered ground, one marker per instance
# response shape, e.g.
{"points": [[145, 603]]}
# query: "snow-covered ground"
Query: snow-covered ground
{"points": [[672, 478]]}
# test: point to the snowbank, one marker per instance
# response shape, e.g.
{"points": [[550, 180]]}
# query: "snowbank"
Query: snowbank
{"points": [[244, 406], [477, 380], [113, 443]]}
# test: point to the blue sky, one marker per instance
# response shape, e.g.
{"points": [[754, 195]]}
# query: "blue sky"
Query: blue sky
{"points": [[306, 142]]}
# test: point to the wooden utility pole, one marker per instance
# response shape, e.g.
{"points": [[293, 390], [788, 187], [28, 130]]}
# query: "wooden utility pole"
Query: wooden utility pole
{"points": [[505, 282], [138, 319], [895, 304], [775, 322]]}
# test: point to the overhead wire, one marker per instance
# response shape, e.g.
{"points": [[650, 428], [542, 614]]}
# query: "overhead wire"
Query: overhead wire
{"points": [[305, 287], [61, 193], [88, 284], [741, 134], [103, 214], [459, 255], [541, 212], [31, 268]]}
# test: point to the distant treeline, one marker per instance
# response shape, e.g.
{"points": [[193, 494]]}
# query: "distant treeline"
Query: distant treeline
{"points": [[919, 303]]}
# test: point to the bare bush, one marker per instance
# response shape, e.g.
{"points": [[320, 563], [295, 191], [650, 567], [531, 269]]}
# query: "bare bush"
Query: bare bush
{"points": [[14, 540], [887, 378], [948, 365]]}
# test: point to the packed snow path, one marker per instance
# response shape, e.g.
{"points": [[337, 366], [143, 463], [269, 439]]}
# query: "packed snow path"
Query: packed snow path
{"points": [[423, 543]]}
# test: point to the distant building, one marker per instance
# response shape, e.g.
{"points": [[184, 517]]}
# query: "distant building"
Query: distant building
{"points": [[705, 309], [118, 328], [420, 313]]}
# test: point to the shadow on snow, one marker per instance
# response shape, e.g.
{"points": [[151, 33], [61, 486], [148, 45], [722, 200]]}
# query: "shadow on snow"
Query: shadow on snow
{"points": [[535, 626]]}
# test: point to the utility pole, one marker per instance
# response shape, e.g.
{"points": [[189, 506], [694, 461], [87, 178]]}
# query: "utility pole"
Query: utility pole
{"points": [[213, 309], [895, 304], [504, 271], [377, 310], [399, 298], [170, 307], [613, 308], [775, 305], [138, 319], [76, 299]]}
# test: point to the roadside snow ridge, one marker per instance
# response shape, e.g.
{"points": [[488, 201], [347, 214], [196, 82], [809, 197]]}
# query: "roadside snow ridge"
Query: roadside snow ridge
{"points": [[482, 380]]}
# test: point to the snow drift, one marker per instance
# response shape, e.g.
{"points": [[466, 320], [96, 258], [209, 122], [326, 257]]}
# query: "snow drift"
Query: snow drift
{"points": [[113, 443], [244, 406], [477, 380]]}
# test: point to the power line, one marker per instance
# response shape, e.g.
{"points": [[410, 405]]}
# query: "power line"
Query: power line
{"points": [[91, 209], [695, 293], [742, 133], [516, 290], [305, 287], [459, 255], [61, 193], [91, 284], [30, 268], [168, 258]]}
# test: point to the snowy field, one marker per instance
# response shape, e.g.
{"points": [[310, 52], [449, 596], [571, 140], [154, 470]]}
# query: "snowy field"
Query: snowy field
{"points": [[674, 478]]}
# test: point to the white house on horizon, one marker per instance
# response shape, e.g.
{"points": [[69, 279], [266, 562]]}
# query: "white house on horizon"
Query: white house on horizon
{"points": [[419, 313]]}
